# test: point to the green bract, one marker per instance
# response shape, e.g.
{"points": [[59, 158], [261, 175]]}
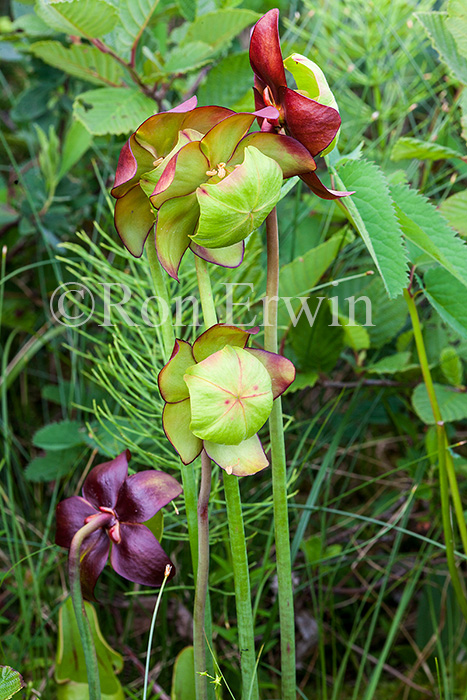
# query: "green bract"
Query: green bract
{"points": [[218, 394]]}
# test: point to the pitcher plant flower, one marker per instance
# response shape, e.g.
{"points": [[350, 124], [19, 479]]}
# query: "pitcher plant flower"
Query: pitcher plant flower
{"points": [[309, 114], [208, 181], [122, 504], [218, 394]]}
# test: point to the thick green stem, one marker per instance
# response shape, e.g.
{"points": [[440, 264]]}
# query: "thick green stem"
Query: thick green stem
{"points": [[167, 330], [82, 621], [246, 638], [447, 476], [241, 573], [202, 579], [279, 476]]}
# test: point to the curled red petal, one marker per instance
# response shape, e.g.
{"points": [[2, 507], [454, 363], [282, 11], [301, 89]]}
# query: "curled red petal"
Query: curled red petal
{"points": [[313, 124], [281, 370], [94, 555], [265, 53], [139, 557], [186, 106], [145, 493], [103, 483], [70, 516], [316, 186], [134, 160]]}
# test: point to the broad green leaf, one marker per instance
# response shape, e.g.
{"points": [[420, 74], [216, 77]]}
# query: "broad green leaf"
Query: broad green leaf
{"points": [[59, 436], [454, 209], [80, 60], [219, 28], [188, 57], [388, 315], [318, 345], [422, 223], [373, 216], [435, 25], [32, 25], [11, 682], [76, 143], [134, 16], [303, 380], [87, 18], [391, 364], [407, 147], [451, 366], [70, 667], [183, 677], [355, 336], [452, 404], [113, 110], [237, 205], [55, 465], [227, 82], [448, 296], [457, 24], [188, 9], [463, 108]]}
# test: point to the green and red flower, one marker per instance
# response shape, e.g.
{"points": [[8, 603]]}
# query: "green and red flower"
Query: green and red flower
{"points": [[218, 394], [128, 502], [308, 114]]}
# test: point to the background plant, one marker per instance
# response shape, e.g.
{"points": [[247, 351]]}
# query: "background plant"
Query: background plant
{"points": [[375, 615]]}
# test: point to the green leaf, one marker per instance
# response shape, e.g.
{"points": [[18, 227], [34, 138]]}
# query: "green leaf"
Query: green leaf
{"points": [[70, 667], [219, 28], [188, 57], [59, 436], [183, 678], [454, 209], [237, 205], [407, 147], [451, 366], [86, 18], [80, 60], [447, 295], [391, 364], [303, 380], [112, 110], [452, 404], [422, 223], [457, 24], [388, 315], [374, 218], [463, 108], [435, 25], [54, 465], [188, 9], [317, 346], [134, 16], [355, 336], [76, 143], [11, 682], [227, 82]]}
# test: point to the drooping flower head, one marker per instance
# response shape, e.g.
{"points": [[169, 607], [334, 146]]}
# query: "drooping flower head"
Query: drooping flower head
{"points": [[204, 180], [308, 114], [218, 394], [128, 501]]}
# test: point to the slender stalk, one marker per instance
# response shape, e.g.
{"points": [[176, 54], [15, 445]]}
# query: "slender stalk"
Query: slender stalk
{"points": [[167, 330], [447, 476], [202, 579], [74, 560], [168, 569], [246, 637], [279, 476]]}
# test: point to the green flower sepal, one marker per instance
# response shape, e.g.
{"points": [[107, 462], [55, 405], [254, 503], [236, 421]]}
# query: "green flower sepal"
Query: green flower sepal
{"points": [[218, 394]]}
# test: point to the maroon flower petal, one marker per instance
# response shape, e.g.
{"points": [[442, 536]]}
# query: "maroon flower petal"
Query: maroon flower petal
{"points": [[94, 555], [134, 160], [281, 370], [139, 556], [145, 493], [105, 481], [70, 516], [265, 53], [316, 186], [313, 124], [290, 154], [204, 118], [186, 106]]}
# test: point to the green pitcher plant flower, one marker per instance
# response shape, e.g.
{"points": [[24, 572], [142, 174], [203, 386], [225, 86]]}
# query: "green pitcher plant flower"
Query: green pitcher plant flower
{"points": [[203, 180], [218, 394], [120, 505], [310, 113]]}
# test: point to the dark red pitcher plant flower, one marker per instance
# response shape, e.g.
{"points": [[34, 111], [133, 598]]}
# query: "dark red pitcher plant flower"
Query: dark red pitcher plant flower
{"points": [[308, 114], [119, 505]]}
